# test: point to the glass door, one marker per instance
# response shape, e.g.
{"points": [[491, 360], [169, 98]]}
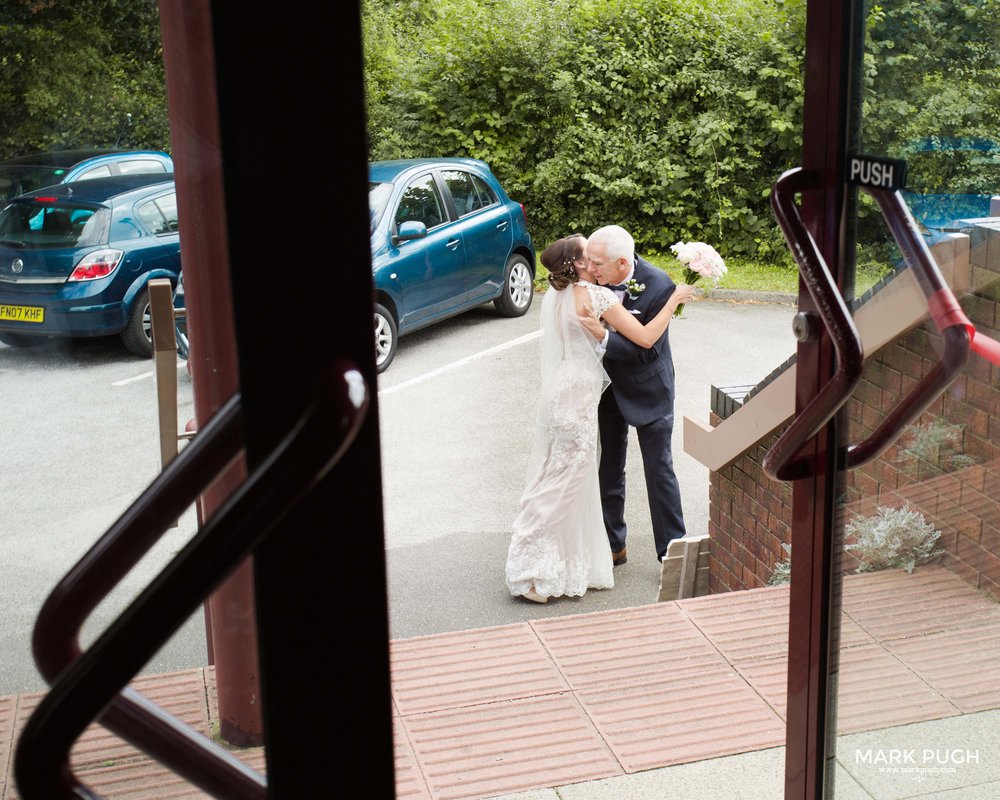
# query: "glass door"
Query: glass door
{"points": [[894, 676], [917, 537]]}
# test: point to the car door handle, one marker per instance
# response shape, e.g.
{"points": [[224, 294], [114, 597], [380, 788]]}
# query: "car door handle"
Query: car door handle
{"points": [[452, 244], [503, 225]]}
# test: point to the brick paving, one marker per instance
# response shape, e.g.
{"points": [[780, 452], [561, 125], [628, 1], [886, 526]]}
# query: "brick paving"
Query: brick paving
{"points": [[564, 700]]}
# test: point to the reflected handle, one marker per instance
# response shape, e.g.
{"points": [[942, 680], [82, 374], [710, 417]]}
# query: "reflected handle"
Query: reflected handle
{"points": [[956, 330]]}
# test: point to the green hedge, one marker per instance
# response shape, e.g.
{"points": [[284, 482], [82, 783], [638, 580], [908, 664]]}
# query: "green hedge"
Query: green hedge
{"points": [[673, 117], [670, 117]]}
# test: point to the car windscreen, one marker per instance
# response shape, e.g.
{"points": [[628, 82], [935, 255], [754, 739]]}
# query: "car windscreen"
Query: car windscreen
{"points": [[22, 178], [44, 225], [378, 197]]}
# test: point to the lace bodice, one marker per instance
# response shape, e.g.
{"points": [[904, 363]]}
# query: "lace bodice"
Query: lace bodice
{"points": [[601, 297]]}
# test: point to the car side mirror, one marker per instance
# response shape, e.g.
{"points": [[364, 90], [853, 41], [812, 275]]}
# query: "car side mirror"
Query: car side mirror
{"points": [[411, 229]]}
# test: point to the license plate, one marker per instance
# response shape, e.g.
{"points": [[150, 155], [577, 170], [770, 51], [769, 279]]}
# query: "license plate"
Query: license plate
{"points": [[22, 313]]}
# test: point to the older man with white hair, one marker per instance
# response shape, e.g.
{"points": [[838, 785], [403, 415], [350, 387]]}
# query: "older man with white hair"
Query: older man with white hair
{"points": [[641, 394]]}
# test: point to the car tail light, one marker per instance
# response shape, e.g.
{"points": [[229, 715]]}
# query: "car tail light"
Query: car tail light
{"points": [[524, 213], [96, 265]]}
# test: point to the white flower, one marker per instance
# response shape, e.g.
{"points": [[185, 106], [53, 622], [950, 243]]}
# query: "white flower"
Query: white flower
{"points": [[699, 259], [634, 288]]}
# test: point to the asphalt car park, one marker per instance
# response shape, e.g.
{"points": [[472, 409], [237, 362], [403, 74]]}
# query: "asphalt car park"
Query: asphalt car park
{"points": [[454, 418]]}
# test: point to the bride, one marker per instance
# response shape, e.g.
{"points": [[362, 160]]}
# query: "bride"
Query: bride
{"points": [[558, 544]]}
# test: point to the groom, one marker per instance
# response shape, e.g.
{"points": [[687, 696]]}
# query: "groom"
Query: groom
{"points": [[641, 395]]}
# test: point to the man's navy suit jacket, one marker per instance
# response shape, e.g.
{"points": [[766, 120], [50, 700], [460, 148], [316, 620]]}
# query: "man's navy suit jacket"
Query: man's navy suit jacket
{"points": [[642, 381]]}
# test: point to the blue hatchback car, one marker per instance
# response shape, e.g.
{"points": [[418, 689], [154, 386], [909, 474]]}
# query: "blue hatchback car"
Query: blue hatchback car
{"points": [[445, 238], [76, 258]]}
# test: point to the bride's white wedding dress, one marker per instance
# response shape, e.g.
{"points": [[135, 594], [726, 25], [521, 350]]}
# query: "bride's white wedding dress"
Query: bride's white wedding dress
{"points": [[558, 543]]}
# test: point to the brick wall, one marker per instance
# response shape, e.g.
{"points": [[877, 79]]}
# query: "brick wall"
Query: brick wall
{"points": [[945, 466]]}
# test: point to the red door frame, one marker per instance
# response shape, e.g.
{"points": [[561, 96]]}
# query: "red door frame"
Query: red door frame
{"points": [[827, 135], [258, 166]]}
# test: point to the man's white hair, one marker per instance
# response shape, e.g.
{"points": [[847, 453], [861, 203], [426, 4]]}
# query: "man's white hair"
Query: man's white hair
{"points": [[618, 242]]}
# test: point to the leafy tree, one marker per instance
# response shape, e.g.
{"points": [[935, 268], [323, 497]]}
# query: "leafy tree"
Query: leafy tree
{"points": [[671, 117], [932, 97], [70, 73]]}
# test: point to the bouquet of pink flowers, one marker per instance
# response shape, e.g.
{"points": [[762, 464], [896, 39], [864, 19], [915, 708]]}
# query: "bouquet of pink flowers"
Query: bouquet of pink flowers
{"points": [[700, 260]]}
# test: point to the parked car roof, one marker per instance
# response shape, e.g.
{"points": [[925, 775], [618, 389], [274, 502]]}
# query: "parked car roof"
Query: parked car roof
{"points": [[67, 158], [384, 171], [98, 190], [36, 170]]}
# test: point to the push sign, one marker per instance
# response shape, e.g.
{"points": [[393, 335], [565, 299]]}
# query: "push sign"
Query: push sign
{"points": [[878, 173]]}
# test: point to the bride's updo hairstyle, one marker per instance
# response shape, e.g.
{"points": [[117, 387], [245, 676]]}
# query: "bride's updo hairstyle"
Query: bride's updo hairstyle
{"points": [[558, 258]]}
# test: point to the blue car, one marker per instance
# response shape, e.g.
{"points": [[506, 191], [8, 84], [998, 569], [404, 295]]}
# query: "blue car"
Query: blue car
{"points": [[445, 238], [27, 173], [76, 258]]}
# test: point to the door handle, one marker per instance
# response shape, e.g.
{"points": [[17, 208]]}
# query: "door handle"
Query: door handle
{"points": [[452, 244], [503, 225], [92, 685], [779, 463], [958, 333]]}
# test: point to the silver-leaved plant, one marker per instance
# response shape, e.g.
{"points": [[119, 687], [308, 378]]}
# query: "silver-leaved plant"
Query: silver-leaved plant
{"points": [[893, 538]]}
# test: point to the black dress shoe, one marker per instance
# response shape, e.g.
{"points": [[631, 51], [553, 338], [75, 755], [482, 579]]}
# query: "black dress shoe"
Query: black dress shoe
{"points": [[619, 557]]}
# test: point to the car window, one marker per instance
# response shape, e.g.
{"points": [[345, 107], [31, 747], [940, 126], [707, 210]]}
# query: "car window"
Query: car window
{"points": [[160, 214], [141, 165], [487, 197], [378, 199], [421, 203], [95, 172], [32, 225], [463, 191], [17, 180]]}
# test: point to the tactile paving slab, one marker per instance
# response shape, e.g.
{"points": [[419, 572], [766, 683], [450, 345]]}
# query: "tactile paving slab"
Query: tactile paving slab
{"points": [[443, 671]]}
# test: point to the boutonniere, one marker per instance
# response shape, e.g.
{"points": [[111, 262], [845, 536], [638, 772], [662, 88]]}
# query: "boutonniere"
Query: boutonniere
{"points": [[634, 288]]}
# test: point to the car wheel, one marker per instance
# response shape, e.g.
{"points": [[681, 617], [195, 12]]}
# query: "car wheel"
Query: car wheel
{"points": [[518, 288], [138, 334], [22, 340], [385, 338]]}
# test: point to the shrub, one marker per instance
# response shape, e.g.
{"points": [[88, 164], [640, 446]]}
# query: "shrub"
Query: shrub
{"points": [[892, 538], [670, 117], [933, 448], [783, 569]]}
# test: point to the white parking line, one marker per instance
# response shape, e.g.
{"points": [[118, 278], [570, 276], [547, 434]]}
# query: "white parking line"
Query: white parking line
{"points": [[142, 377], [461, 362], [406, 384]]}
